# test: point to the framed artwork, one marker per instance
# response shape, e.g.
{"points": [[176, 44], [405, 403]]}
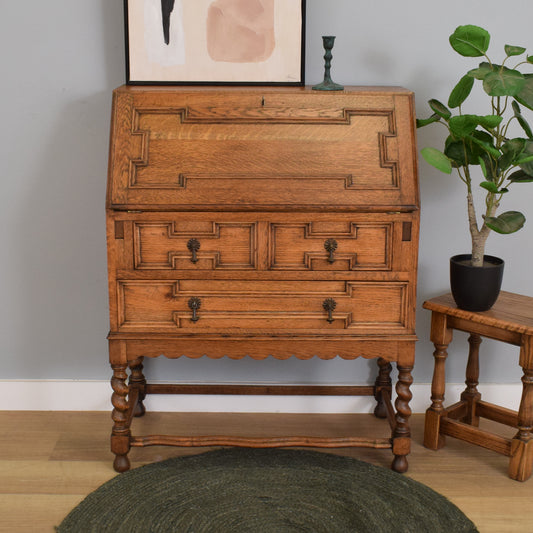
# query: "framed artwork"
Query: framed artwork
{"points": [[171, 42]]}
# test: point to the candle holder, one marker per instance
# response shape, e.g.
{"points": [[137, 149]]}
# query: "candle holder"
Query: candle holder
{"points": [[328, 85]]}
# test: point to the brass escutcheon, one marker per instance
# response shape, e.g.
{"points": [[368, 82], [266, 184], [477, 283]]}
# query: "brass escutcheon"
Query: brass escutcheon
{"points": [[330, 245], [193, 245]]}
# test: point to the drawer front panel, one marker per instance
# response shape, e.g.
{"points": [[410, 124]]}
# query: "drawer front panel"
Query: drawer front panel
{"points": [[281, 243], [331, 245], [211, 306], [196, 244], [356, 150]]}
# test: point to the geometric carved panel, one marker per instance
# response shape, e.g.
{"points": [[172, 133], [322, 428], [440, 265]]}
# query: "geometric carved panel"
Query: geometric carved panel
{"points": [[357, 246], [165, 245]]}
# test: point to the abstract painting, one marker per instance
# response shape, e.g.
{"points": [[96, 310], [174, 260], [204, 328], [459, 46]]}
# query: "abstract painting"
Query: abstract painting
{"points": [[215, 41]]}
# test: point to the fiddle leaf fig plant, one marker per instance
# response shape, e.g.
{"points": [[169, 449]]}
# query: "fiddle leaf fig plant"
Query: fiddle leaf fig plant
{"points": [[485, 141]]}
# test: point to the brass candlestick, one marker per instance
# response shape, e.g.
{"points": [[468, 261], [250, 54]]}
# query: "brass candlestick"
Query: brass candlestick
{"points": [[328, 84]]}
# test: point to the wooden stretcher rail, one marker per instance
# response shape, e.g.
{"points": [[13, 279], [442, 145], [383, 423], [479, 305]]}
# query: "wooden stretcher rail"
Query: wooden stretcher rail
{"points": [[269, 442], [282, 390]]}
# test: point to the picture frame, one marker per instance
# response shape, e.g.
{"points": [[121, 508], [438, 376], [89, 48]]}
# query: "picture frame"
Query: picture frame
{"points": [[215, 42]]}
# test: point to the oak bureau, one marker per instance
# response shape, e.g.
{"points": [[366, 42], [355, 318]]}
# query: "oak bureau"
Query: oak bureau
{"points": [[262, 221]]}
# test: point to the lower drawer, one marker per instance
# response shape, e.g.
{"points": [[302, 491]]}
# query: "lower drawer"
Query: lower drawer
{"points": [[247, 307]]}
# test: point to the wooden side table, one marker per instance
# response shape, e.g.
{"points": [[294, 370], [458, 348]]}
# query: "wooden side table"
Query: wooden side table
{"points": [[511, 321]]}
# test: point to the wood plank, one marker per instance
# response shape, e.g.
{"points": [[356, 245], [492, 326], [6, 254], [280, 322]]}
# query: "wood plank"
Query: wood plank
{"points": [[36, 514], [53, 477]]}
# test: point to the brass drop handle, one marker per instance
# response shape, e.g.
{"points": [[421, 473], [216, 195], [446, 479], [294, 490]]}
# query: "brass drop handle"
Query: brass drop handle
{"points": [[194, 304], [330, 245], [193, 245], [329, 306]]}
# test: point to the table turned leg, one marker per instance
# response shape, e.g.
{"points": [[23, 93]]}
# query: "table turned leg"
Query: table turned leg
{"points": [[383, 382], [138, 381], [471, 395], [441, 336], [401, 435], [120, 435], [521, 462]]}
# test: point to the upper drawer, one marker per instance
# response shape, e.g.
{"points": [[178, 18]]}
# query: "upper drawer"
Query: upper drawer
{"points": [[249, 148], [280, 242]]}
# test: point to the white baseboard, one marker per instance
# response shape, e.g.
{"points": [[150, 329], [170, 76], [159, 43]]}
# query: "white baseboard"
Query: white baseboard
{"points": [[74, 395]]}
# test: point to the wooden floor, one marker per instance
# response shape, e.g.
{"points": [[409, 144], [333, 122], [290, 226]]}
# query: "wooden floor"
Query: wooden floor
{"points": [[49, 461]]}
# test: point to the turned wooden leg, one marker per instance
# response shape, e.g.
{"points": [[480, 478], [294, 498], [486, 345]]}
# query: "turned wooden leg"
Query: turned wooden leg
{"points": [[441, 336], [383, 382], [521, 462], [432, 437], [120, 435], [401, 435], [471, 395], [138, 381]]}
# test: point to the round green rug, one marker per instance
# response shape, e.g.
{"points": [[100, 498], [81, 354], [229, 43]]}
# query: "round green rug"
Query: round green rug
{"points": [[264, 491]]}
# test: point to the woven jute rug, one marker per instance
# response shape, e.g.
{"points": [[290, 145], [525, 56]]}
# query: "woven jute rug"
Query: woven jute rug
{"points": [[264, 491]]}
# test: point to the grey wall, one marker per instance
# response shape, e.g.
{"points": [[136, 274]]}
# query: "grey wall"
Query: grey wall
{"points": [[60, 61]]}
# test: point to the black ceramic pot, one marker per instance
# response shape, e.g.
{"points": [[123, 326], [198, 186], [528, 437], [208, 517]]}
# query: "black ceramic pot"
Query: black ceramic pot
{"points": [[475, 288]]}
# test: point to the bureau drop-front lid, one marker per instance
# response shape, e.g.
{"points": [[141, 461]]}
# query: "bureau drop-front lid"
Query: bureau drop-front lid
{"points": [[190, 148]]}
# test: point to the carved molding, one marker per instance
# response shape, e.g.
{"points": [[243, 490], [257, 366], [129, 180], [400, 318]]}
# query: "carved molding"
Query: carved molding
{"points": [[386, 141], [313, 253], [164, 305], [211, 249]]}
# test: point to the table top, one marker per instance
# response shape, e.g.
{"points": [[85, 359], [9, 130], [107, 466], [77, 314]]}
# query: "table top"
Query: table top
{"points": [[512, 312]]}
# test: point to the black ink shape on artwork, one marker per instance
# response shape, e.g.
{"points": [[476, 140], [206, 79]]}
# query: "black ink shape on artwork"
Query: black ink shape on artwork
{"points": [[166, 8]]}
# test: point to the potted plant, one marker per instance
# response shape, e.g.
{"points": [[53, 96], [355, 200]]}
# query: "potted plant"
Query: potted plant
{"points": [[482, 148]]}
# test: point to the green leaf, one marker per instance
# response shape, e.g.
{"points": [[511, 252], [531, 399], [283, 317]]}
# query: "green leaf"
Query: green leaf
{"points": [[511, 151], [506, 223], [525, 159], [440, 109], [488, 164], [463, 125], [457, 152], [514, 145], [520, 177], [420, 123], [480, 72], [521, 120], [483, 167], [525, 126], [470, 41], [490, 186], [514, 50], [503, 82], [527, 167], [490, 121], [484, 136], [437, 159], [461, 91], [487, 147], [529, 59], [525, 95]]}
